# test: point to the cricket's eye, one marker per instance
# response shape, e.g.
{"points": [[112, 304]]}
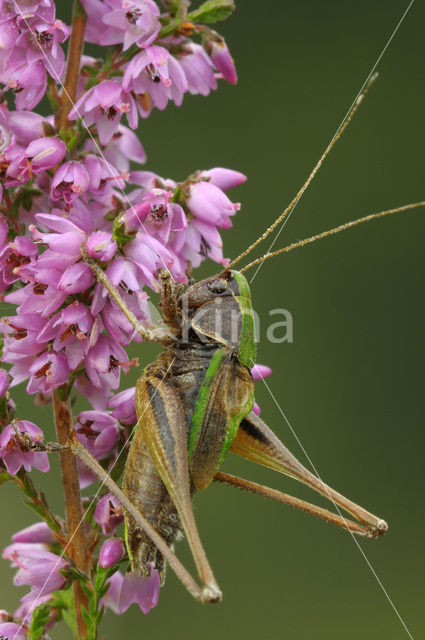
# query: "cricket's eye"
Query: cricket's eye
{"points": [[217, 286]]}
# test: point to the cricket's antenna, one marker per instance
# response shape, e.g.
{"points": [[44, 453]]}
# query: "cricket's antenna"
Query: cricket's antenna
{"points": [[336, 137], [330, 232]]}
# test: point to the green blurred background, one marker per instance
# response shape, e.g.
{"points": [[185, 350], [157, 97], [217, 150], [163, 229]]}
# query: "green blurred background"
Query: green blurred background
{"points": [[351, 384]]}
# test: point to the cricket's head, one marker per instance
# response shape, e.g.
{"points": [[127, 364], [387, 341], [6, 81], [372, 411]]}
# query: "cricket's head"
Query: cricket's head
{"points": [[224, 285], [219, 310]]}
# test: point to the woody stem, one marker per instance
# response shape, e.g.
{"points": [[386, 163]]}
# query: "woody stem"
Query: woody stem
{"points": [[77, 548], [75, 50]]}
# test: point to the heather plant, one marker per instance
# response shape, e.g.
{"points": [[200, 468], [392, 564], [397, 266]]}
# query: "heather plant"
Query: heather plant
{"points": [[86, 233], [72, 188]]}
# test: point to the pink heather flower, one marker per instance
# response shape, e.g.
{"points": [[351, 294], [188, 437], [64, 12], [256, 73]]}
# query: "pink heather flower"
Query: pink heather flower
{"points": [[69, 181], [98, 432], [9, 33], [156, 215], [111, 599], [123, 591], [101, 246], [222, 60], [209, 204], [15, 256], [111, 553], [5, 380], [149, 254], [199, 241], [40, 41], [142, 590], [45, 153], [38, 568], [48, 372], [123, 405], [156, 73], [198, 70], [127, 23], [28, 83], [86, 476], [104, 362], [26, 126], [45, 9], [256, 408], [14, 457], [39, 532], [123, 147], [223, 178], [108, 513], [104, 105], [103, 177], [12, 631], [76, 278]]}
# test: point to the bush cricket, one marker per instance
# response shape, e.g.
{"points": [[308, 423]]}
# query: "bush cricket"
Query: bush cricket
{"points": [[194, 404]]}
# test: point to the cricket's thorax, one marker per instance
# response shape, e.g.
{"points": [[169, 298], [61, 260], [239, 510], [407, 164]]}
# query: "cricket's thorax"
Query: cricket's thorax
{"points": [[204, 378]]}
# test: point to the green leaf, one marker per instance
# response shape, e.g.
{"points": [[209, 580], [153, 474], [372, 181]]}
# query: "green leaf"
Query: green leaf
{"points": [[212, 11], [64, 601], [40, 618], [4, 477], [54, 104], [86, 616], [119, 234]]}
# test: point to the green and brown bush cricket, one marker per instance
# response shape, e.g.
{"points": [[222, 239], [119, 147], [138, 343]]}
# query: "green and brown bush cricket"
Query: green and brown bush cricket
{"points": [[194, 405]]}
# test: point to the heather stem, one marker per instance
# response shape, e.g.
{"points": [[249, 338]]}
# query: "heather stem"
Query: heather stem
{"points": [[78, 549], [75, 50]]}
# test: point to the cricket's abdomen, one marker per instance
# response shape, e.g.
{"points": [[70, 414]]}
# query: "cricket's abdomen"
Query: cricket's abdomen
{"points": [[145, 489], [141, 482]]}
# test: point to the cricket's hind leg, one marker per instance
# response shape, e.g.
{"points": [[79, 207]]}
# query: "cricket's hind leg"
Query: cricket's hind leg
{"points": [[257, 442]]}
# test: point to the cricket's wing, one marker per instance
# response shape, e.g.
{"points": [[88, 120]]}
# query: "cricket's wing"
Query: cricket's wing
{"points": [[226, 396]]}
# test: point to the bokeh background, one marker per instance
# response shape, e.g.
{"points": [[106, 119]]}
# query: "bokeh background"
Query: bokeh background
{"points": [[351, 383]]}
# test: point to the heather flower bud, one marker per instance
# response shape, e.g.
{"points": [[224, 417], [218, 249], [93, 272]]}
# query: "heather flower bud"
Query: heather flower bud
{"points": [[222, 60], [45, 153], [260, 371], [224, 178], [208, 203], [101, 246], [111, 553]]}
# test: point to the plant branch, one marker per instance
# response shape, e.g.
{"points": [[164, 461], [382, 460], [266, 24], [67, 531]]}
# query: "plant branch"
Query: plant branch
{"points": [[78, 549], [75, 50]]}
